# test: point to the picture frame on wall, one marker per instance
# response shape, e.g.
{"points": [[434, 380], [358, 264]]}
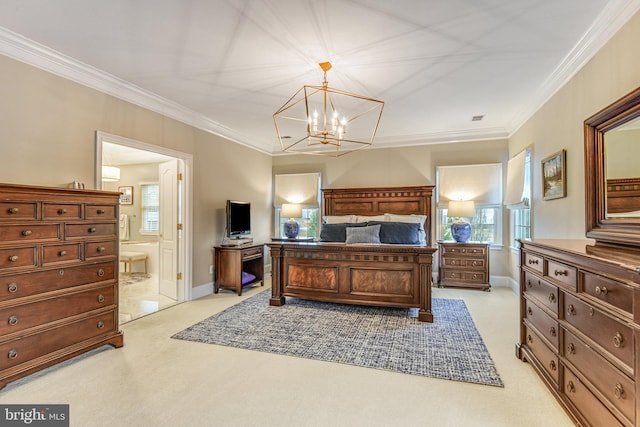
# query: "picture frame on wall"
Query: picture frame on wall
{"points": [[554, 179], [126, 195]]}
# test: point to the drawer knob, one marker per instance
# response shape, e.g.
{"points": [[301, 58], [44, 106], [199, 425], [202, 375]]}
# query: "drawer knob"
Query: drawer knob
{"points": [[100, 211], [474, 263], [101, 249], [63, 253], [100, 272], [529, 339], [100, 324], [618, 391], [571, 348], [26, 233], [601, 290], [552, 298], [13, 210], [12, 354], [13, 258], [552, 365], [100, 298], [62, 211], [570, 387], [560, 272], [453, 275], [453, 262], [533, 262], [13, 320], [552, 331], [571, 310], [529, 311], [475, 276], [529, 283], [618, 340], [13, 287], [92, 230]]}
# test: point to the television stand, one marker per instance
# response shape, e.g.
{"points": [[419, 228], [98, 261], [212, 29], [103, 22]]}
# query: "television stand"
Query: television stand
{"points": [[231, 261]]}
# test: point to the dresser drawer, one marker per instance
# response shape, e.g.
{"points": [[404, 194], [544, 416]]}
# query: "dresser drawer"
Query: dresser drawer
{"points": [[251, 253], [533, 261], [25, 284], [609, 291], [24, 316], [613, 335], [18, 257], [616, 386], [542, 291], [22, 350], [546, 357], [29, 232], [545, 324], [20, 211], [460, 250], [91, 230], [54, 254], [101, 211], [466, 276], [563, 273], [61, 211], [99, 249], [588, 405]]}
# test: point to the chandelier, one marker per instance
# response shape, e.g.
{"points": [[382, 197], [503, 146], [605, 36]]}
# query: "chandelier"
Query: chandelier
{"points": [[320, 120]]}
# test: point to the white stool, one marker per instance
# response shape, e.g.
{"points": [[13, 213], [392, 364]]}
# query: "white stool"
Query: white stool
{"points": [[128, 258]]}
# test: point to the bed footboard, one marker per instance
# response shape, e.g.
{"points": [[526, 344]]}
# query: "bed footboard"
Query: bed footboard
{"points": [[382, 275]]}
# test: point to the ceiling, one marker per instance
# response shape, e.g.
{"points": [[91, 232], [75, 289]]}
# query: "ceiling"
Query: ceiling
{"points": [[226, 66]]}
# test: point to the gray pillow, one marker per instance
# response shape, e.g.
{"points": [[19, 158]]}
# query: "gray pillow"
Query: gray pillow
{"points": [[337, 232], [400, 233], [369, 234]]}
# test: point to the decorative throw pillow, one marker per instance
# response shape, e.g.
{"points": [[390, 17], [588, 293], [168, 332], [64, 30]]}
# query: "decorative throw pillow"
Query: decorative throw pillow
{"points": [[400, 233], [369, 234], [419, 219], [336, 232]]}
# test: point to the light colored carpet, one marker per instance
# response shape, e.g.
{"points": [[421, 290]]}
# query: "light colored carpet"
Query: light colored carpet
{"points": [[374, 337]]}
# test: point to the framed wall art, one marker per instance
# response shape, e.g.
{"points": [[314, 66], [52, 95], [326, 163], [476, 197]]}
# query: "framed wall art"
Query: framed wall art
{"points": [[554, 179], [126, 195]]}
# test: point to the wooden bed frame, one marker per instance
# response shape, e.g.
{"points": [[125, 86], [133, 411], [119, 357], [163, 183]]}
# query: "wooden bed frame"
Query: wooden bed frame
{"points": [[383, 275], [623, 195]]}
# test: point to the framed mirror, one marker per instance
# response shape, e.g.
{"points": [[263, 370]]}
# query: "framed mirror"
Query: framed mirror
{"points": [[612, 174]]}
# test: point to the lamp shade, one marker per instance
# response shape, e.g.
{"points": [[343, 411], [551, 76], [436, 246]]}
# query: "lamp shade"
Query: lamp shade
{"points": [[461, 209], [110, 173], [291, 210]]}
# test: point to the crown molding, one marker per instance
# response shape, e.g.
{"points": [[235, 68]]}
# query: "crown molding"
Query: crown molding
{"points": [[612, 18], [25, 50]]}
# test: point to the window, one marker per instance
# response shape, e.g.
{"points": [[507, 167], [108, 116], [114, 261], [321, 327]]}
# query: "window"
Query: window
{"points": [[150, 207], [303, 189], [518, 196], [480, 183], [308, 223]]}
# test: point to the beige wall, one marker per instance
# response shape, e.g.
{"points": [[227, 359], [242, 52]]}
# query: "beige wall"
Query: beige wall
{"points": [[47, 138], [612, 73], [398, 167]]}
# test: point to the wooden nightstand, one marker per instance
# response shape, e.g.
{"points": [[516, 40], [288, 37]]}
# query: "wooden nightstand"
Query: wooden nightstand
{"points": [[463, 265]]}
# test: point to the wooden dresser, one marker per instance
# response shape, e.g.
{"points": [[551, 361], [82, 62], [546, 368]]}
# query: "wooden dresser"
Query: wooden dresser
{"points": [[580, 327], [463, 264], [58, 276]]}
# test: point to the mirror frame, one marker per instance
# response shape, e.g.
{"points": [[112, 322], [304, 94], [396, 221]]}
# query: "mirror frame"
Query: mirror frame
{"points": [[598, 227]]}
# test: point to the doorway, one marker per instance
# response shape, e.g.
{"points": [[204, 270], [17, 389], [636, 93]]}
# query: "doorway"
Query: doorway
{"points": [[155, 232]]}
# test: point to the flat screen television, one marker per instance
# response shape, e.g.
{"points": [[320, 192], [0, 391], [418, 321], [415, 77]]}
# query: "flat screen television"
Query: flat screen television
{"points": [[238, 219]]}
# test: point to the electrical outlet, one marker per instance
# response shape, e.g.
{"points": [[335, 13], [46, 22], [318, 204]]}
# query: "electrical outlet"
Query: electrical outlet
{"points": [[211, 269]]}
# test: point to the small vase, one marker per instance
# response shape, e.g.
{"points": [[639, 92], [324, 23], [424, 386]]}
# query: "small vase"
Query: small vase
{"points": [[291, 229]]}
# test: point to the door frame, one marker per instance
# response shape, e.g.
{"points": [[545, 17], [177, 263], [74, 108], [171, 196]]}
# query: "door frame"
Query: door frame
{"points": [[185, 245]]}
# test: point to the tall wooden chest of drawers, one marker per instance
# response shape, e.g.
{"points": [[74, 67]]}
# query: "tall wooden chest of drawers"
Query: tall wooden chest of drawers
{"points": [[58, 276], [463, 264], [580, 327]]}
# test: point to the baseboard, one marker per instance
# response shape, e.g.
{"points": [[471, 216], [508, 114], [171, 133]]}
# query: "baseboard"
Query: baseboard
{"points": [[202, 291], [505, 282]]}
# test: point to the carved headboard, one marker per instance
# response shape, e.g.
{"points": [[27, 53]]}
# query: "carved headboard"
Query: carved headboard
{"points": [[379, 201], [623, 195]]}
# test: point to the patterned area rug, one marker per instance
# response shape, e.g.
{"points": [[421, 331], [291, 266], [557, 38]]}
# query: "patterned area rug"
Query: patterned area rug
{"points": [[132, 278], [375, 337]]}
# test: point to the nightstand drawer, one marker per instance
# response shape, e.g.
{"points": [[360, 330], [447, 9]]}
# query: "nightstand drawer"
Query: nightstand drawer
{"points": [[251, 253]]}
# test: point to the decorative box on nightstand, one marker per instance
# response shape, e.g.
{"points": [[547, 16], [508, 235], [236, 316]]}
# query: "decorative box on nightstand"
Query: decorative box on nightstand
{"points": [[463, 265]]}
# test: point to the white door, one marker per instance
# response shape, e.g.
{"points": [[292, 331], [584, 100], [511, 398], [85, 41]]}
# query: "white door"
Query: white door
{"points": [[169, 234]]}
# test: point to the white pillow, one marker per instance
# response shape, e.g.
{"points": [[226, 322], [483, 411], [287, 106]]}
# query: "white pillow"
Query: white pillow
{"points": [[339, 219], [418, 219], [367, 218]]}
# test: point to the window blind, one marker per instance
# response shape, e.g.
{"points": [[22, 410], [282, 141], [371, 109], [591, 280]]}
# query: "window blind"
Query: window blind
{"points": [[518, 190], [150, 205], [480, 183]]}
